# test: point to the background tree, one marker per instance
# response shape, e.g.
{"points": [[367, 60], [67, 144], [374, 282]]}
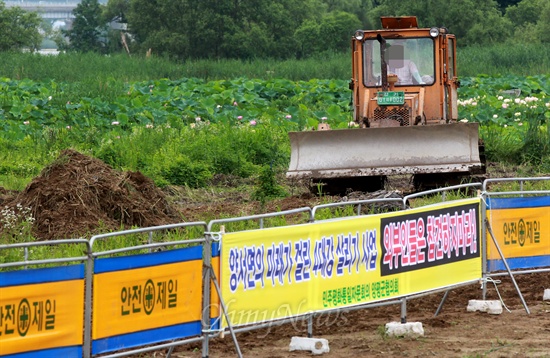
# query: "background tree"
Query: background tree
{"points": [[331, 33], [472, 21], [85, 34], [114, 15], [530, 20], [19, 29], [240, 29], [245, 29], [116, 10], [359, 8]]}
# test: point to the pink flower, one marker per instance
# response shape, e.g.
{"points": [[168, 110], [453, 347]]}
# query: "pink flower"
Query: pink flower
{"points": [[288, 116], [240, 118], [505, 105], [235, 103], [252, 122], [68, 127]]}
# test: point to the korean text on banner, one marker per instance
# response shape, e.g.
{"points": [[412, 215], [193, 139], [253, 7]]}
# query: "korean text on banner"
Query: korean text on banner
{"points": [[289, 271], [521, 226], [146, 298], [42, 309]]}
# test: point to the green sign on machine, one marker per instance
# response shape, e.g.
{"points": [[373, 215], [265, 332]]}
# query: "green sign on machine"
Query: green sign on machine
{"points": [[390, 98]]}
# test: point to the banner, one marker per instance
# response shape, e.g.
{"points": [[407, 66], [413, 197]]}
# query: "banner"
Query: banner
{"points": [[42, 312], [288, 271], [149, 298], [521, 226]]}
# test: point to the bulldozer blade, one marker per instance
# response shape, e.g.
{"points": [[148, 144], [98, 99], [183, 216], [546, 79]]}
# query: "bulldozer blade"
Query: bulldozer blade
{"points": [[349, 153]]}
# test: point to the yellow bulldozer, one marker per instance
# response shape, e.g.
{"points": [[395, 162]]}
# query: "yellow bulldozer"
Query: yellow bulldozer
{"points": [[404, 87]]}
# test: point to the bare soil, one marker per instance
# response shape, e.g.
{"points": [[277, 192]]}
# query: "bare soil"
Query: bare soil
{"points": [[78, 196], [454, 332]]}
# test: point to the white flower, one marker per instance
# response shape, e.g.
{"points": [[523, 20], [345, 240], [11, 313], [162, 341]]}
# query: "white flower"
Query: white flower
{"points": [[505, 105], [500, 98], [507, 100], [49, 98], [115, 123], [197, 119], [517, 114], [26, 123], [149, 125], [495, 116], [464, 120]]}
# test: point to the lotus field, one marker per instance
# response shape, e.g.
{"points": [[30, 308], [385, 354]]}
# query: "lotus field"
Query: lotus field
{"points": [[183, 132]]}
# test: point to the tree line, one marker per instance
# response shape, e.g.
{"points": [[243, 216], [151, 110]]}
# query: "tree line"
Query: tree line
{"points": [[282, 29]]}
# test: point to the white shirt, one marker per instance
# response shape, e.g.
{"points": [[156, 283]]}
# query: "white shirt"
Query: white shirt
{"points": [[404, 70]]}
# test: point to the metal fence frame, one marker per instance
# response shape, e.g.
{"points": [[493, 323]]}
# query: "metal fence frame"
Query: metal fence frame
{"points": [[210, 276], [29, 262], [150, 245], [310, 316], [211, 237], [486, 194]]}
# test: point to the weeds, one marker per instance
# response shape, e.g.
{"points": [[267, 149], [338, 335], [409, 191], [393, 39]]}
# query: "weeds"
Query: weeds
{"points": [[267, 187], [16, 224]]}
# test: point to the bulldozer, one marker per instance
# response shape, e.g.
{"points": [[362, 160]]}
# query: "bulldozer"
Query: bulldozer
{"points": [[404, 97]]}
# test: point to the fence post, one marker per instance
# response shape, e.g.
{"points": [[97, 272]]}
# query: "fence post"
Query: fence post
{"points": [[87, 346], [206, 277], [484, 248]]}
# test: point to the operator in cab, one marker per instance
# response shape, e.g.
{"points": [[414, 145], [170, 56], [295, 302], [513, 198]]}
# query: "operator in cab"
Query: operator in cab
{"points": [[405, 69]]}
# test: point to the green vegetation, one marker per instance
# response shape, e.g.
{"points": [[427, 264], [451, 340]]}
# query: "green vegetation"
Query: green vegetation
{"points": [[19, 29], [183, 130], [94, 75]]}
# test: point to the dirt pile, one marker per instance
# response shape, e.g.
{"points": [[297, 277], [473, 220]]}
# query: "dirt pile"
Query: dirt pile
{"points": [[78, 195]]}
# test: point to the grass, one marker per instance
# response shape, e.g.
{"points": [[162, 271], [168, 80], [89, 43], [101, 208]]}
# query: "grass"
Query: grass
{"points": [[503, 59], [96, 72]]}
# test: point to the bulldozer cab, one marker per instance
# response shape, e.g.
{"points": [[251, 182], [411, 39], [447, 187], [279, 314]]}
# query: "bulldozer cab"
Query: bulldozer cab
{"points": [[403, 75]]}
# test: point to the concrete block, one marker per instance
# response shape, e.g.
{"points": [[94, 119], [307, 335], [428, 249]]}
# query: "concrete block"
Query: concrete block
{"points": [[315, 345], [546, 296], [491, 307], [409, 329]]}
